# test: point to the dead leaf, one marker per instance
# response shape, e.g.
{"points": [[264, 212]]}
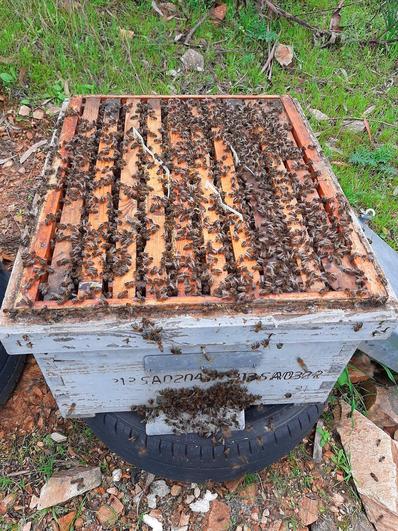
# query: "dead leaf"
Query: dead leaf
{"points": [[284, 54], [126, 34], [24, 110], [156, 8], [367, 127], [6, 60], [217, 14], [369, 110], [66, 88], [336, 17], [356, 126], [22, 76]]}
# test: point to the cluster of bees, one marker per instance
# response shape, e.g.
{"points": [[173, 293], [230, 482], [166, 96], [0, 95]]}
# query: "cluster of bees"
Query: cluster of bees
{"points": [[264, 191], [206, 412]]}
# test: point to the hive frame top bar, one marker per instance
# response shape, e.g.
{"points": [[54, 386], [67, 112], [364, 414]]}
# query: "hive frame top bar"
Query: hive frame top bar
{"points": [[296, 303]]}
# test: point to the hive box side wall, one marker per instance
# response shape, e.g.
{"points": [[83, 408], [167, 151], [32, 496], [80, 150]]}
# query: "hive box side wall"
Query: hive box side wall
{"points": [[84, 384], [190, 332]]}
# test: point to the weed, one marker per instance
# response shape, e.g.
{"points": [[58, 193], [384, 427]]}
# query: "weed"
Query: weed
{"points": [[325, 436], [249, 479], [5, 483], [379, 159], [349, 392], [341, 460]]}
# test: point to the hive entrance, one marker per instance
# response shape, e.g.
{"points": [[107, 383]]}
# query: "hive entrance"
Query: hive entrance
{"points": [[157, 201]]}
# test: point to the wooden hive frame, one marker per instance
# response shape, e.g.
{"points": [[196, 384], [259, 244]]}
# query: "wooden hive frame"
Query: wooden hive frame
{"points": [[61, 206]]}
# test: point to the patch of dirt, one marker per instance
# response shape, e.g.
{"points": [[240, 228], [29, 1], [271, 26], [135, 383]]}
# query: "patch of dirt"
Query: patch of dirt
{"points": [[18, 182]]}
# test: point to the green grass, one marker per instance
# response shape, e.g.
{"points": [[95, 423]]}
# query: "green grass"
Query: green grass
{"points": [[77, 47]]}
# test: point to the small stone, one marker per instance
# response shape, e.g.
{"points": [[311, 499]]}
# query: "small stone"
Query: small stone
{"points": [[58, 437], [219, 517], [202, 505], [116, 475], [189, 499], [355, 126], [308, 510], [254, 515], [52, 109], [8, 164], [116, 505], [152, 522], [338, 499], [27, 526], [176, 490], [160, 488], [67, 484], [38, 114], [106, 515], [196, 492], [395, 191], [318, 115], [79, 523], [65, 522], [24, 110], [33, 502], [193, 60], [184, 519], [266, 512], [151, 501], [113, 491]]}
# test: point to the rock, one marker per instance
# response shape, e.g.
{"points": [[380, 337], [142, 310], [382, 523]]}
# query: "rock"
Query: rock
{"points": [[381, 404], [284, 54], [176, 490], [219, 517], [38, 114], [160, 488], [189, 499], [308, 510], [151, 501], [361, 523], [373, 458], [193, 60], [112, 490], [116, 505], [33, 502], [233, 484], [355, 126], [107, 516], [324, 524], [249, 494], [116, 475], [65, 522], [152, 522], [24, 110], [196, 492], [52, 109], [202, 505], [338, 499], [184, 519], [58, 437], [27, 526], [318, 115], [7, 502], [67, 484]]}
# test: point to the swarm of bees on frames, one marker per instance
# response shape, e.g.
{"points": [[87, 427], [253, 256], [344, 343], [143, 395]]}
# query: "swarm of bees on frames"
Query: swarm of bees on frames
{"points": [[290, 234]]}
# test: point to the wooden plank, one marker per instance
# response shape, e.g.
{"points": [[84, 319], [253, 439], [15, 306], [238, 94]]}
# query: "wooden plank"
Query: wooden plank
{"points": [[155, 247], [72, 210], [239, 231], [328, 188], [96, 238], [124, 284], [183, 243], [211, 221], [40, 245], [148, 97], [276, 378]]}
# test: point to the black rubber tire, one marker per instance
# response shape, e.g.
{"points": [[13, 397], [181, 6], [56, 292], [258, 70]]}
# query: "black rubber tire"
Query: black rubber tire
{"points": [[271, 433], [11, 367]]}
